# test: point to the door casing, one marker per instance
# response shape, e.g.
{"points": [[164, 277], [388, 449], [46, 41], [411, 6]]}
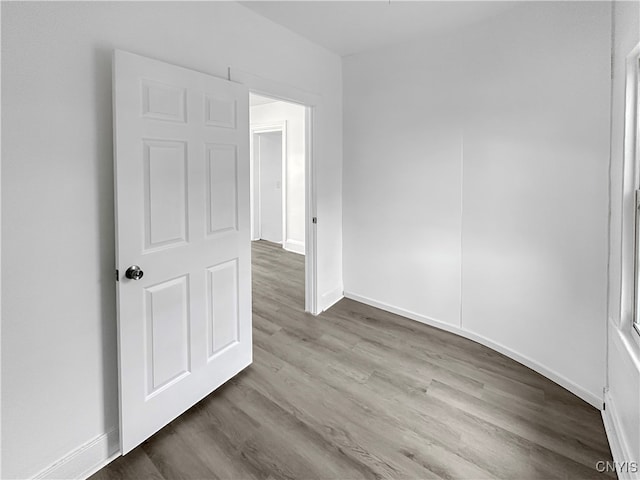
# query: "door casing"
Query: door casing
{"points": [[313, 108]]}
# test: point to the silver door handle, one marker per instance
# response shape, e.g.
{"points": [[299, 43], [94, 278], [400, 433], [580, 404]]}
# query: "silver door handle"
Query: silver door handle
{"points": [[134, 272]]}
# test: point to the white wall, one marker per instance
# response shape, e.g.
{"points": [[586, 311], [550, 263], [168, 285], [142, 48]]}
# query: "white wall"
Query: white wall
{"points": [[475, 184], [59, 385], [622, 414], [294, 116]]}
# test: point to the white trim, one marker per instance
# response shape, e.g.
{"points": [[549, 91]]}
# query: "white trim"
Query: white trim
{"points": [[85, 460], [616, 429], [587, 396], [625, 341], [313, 103], [632, 153], [330, 298], [255, 234], [100, 465], [310, 202], [404, 313], [630, 184], [620, 449], [294, 246], [0, 276]]}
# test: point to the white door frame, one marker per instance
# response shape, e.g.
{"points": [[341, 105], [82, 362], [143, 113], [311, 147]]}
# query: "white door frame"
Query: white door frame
{"points": [[268, 128], [311, 102]]}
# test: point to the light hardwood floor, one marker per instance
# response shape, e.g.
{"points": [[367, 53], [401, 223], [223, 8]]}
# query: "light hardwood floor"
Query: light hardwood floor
{"points": [[361, 393]]}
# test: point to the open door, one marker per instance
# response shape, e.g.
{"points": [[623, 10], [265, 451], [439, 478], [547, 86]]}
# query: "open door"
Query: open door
{"points": [[183, 253]]}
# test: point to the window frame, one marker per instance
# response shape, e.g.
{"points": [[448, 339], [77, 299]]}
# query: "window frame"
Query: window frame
{"points": [[635, 320], [632, 156]]}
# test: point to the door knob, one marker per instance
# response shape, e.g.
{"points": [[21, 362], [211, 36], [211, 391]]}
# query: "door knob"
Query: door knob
{"points": [[134, 272]]}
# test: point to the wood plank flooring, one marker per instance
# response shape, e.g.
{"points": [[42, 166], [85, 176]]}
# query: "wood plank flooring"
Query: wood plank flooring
{"points": [[361, 393]]}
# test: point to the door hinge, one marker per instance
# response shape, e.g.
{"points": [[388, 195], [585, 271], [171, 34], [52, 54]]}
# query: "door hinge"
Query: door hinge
{"points": [[314, 220], [117, 275]]}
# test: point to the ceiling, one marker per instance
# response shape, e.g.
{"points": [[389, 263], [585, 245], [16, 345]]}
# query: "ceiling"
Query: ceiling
{"points": [[350, 27], [255, 100]]}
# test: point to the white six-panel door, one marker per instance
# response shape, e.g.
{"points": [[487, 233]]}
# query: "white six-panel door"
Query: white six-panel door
{"points": [[182, 216]]}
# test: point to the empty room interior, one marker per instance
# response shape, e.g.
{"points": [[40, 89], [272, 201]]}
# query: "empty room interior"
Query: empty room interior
{"points": [[320, 240]]}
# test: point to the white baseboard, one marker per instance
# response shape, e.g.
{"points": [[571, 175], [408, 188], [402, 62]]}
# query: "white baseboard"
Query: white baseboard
{"points": [[294, 246], [404, 313], [587, 396], [619, 447], [330, 298], [85, 460]]}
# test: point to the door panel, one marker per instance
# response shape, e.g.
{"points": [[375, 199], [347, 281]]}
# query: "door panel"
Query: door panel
{"points": [[222, 188], [221, 111], [182, 215], [165, 178], [223, 306], [270, 161], [167, 327], [163, 102]]}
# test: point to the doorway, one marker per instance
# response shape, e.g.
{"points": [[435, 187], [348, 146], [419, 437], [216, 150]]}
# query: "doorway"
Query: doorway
{"points": [[278, 131], [269, 150]]}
